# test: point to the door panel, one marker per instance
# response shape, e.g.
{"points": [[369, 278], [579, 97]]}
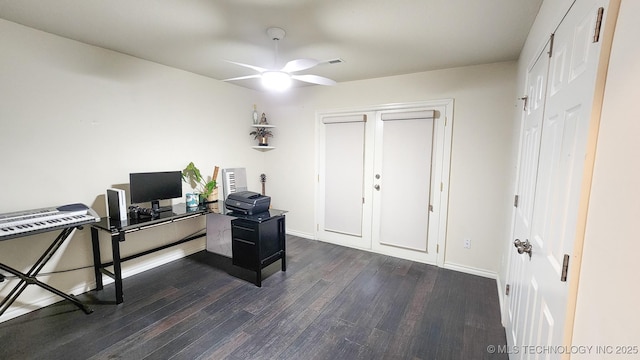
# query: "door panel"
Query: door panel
{"points": [[407, 161], [522, 298], [344, 177], [561, 169], [405, 182], [342, 218]]}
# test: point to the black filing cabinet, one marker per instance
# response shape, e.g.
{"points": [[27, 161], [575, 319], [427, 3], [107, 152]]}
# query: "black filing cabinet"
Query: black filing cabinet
{"points": [[258, 241]]}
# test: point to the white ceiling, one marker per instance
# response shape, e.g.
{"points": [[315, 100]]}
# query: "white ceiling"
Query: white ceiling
{"points": [[375, 38]]}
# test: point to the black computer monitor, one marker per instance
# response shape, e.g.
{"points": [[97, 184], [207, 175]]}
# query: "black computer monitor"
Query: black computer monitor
{"points": [[155, 186]]}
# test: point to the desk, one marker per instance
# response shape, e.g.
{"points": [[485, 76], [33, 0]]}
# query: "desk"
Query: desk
{"points": [[118, 231], [257, 241]]}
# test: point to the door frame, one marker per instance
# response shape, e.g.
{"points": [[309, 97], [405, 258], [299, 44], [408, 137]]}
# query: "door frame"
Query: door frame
{"points": [[441, 171]]}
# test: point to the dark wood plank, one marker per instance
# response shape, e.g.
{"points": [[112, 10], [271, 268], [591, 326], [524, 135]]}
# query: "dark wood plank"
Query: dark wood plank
{"points": [[331, 303]]}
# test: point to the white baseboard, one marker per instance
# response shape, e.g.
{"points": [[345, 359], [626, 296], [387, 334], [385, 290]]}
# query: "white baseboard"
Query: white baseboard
{"points": [[301, 234], [501, 299], [159, 258], [145, 263], [447, 265], [50, 299], [470, 270]]}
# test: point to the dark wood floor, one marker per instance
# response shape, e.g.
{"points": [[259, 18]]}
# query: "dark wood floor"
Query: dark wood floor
{"points": [[332, 303]]}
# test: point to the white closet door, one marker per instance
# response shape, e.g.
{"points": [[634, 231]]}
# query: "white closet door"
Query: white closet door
{"points": [[341, 181], [522, 289], [403, 174], [343, 177]]}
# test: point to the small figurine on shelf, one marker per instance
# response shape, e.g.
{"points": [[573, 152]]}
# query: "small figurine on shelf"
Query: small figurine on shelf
{"points": [[263, 120]]}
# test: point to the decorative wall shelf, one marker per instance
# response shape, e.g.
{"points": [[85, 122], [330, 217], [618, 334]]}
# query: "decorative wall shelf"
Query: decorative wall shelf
{"points": [[262, 126]]}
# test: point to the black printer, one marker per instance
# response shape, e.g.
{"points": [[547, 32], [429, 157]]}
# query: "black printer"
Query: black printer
{"points": [[247, 202]]}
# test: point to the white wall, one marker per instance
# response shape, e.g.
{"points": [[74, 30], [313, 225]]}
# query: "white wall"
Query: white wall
{"points": [[607, 308], [484, 107], [77, 119]]}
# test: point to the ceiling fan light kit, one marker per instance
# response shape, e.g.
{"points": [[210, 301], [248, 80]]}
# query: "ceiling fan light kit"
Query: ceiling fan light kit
{"points": [[276, 80], [281, 79]]}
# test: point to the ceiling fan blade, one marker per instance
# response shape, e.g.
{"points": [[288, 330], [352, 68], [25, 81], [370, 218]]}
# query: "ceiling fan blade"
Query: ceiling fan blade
{"points": [[299, 64], [314, 79], [243, 77], [256, 68]]}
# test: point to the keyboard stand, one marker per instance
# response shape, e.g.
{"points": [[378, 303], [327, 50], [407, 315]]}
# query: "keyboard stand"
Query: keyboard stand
{"points": [[29, 278]]}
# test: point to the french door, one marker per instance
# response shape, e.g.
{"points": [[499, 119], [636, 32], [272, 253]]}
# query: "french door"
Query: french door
{"points": [[382, 175], [564, 92]]}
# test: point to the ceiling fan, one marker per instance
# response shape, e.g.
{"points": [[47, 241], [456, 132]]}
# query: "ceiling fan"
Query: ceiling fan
{"points": [[281, 79]]}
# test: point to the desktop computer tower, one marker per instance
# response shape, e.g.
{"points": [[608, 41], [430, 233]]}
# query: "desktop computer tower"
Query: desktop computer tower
{"points": [[116, 204]]}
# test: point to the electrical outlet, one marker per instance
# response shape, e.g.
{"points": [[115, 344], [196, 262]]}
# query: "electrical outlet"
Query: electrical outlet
{"points": [[467, 243]]}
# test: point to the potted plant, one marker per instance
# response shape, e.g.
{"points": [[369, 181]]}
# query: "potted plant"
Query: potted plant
{"points": [[208, 189], [262, 134]]}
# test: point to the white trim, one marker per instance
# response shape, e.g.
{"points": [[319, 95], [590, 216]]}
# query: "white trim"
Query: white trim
{"points": [[409, 257], [471, 270], [160, 258], [300, 234], [501, 298], [49, 299]]}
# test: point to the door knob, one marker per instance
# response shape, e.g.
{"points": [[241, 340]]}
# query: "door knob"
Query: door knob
{"points": [[523, 247], [377, 187]]}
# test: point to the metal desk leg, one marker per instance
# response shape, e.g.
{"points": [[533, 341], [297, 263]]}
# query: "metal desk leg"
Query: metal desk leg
{"points": [[117, 266], [97, 261], [283, 237], [259, 275]]}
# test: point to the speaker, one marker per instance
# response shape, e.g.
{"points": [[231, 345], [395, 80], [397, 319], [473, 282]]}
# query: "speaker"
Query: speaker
{"points": [[116, 205]]}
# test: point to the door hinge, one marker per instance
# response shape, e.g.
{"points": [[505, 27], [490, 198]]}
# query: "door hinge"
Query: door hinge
{"points": [[430, 208], [551, 45], [438, 249], [445, 121], [363, 200], [515, 200], [508, 288], [565, 268], [596, 31], [441, 186], [364, 117]]}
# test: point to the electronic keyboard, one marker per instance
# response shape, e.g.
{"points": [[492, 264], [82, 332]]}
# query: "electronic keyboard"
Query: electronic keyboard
{"points": [[28, 222]]}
